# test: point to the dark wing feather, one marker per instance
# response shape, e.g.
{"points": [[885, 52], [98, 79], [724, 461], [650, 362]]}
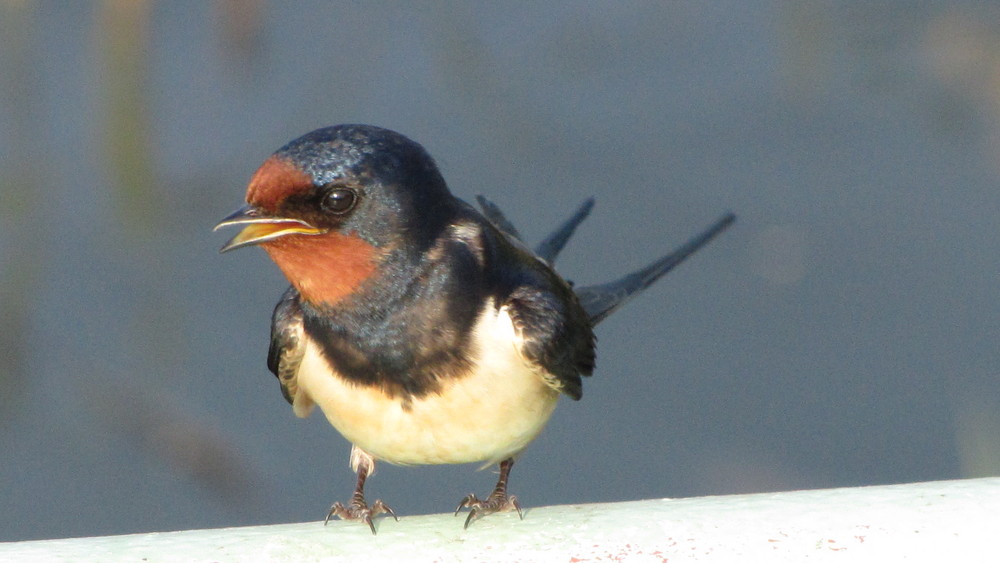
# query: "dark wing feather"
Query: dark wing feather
{"points": [[555, 335], [287, 343], [553, 244], [495, 215], [601, 300]]}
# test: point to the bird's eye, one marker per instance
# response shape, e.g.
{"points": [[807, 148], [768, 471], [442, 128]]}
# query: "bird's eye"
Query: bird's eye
{"points": [[340, 200]]}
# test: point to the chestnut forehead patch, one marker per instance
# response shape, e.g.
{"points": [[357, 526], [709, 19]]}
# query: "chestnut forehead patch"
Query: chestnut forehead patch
{"points": [[274, 181]]}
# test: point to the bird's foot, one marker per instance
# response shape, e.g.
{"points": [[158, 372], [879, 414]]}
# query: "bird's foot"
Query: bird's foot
{"points": [[359, 510], [494, 503]]}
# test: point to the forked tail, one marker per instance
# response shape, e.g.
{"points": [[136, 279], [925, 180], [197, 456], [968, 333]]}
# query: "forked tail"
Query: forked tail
{"points": [[601, 300]]}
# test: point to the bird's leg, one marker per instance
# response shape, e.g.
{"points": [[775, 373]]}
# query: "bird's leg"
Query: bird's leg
{"points": [[358, 509], [498, 501]]}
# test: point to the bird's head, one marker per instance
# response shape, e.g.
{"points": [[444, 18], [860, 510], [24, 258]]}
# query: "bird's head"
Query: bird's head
{"points": [[330, 206]]}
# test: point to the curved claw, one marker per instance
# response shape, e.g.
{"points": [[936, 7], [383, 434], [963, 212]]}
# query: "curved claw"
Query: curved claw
{"points": [[472, 516], [512, 501], [334, 510], [467, 502], [478, 508], [360, 512], [382, 508]]}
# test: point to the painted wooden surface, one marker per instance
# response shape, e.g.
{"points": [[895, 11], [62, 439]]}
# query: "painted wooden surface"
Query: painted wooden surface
{"points": [[935, 521]]}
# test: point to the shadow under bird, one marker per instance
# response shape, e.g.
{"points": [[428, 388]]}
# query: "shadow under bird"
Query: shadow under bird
{"points": [[425, 330]]}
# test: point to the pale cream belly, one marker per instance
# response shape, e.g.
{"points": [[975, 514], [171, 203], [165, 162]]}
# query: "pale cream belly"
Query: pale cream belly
{"points": [[486, 416]]}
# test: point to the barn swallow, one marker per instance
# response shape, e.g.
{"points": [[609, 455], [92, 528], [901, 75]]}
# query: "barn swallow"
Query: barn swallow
{"points": [[426, 331]]}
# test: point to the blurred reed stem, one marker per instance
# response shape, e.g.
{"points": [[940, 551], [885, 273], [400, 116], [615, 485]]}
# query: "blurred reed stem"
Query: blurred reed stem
{"points": [[123, 35], [22, 248]]}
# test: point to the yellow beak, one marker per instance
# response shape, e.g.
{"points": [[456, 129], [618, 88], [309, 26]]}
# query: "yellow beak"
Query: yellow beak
{"points": [[261, 228]]}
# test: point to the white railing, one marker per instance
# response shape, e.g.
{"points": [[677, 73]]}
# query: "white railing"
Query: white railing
{"points": [[946, 521]]}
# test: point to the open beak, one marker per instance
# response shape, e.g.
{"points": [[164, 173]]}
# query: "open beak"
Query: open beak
{"points": [[261, 228]]}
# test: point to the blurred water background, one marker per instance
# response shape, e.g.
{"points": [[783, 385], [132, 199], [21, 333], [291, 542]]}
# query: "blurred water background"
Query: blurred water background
{"points": [[843, 333]]}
